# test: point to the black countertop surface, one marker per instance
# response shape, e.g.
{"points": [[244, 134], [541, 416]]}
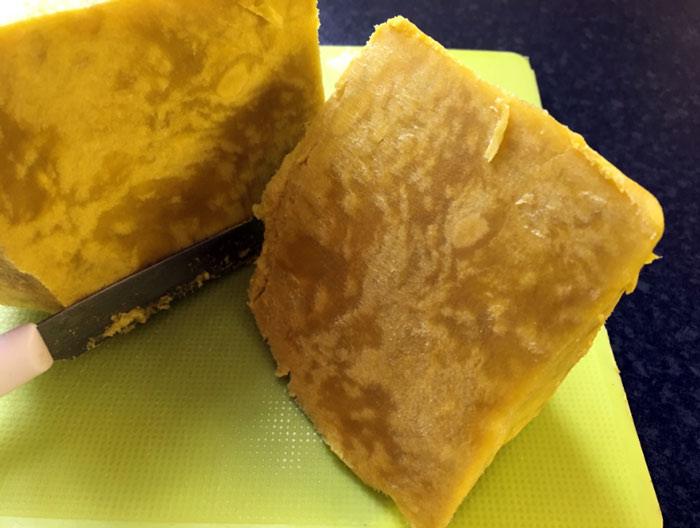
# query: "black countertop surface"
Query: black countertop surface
{"points": [[626, 75]]}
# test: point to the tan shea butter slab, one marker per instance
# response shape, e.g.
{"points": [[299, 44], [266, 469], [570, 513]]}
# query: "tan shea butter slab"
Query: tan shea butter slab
{"points": [[438, 255]]}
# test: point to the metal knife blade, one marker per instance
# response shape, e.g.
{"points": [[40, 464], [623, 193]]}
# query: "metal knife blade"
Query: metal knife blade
{"points": [[84, 324]]}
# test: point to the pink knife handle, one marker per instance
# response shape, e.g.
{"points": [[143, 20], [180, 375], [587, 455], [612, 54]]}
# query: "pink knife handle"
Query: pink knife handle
{"points": [[23, 356]]}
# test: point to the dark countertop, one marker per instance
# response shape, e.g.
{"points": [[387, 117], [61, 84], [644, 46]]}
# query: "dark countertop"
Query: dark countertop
{"points": [[626, 75]]}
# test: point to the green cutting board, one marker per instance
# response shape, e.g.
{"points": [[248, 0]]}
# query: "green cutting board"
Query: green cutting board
{"points": [[183, 422]]}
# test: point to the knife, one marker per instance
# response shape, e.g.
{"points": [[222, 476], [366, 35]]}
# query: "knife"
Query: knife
{"points": [[30, 350]]}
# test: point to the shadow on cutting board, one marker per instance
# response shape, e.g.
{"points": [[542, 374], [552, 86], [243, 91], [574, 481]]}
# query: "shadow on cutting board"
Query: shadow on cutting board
{"points": [[532, 484]]}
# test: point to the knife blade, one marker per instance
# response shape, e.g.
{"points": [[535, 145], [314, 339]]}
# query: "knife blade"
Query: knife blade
{"points": [[120, 306]]}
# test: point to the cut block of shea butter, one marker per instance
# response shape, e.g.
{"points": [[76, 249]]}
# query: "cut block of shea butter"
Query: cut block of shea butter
{"points": [[438, 254], [130, 129]]}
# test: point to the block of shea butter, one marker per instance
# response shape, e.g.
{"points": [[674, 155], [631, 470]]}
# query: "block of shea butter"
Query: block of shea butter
{"points": [[130, 129], [438, 255]]}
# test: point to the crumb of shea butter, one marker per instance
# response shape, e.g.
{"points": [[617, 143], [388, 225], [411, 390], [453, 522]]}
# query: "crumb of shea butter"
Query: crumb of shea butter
{"points": [[125, 322]]}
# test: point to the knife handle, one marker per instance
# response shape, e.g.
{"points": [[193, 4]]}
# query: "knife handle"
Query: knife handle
{"points": [[23, 357]]}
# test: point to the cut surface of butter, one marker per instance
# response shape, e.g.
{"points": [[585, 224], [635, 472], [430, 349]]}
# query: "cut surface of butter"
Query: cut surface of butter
{"points": [[438, 254], [130, 129]]}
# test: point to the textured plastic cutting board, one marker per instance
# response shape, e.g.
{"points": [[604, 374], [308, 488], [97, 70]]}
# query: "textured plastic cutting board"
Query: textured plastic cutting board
{"points": [[183, 422]]}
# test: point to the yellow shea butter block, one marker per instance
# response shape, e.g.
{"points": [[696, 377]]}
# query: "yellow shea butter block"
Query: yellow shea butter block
{"points": [[438, 254], [130, 129]]}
